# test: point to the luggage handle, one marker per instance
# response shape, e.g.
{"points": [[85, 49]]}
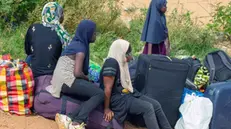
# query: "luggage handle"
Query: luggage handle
{"points": [[191, 84], [212, 68], [224, 60]]}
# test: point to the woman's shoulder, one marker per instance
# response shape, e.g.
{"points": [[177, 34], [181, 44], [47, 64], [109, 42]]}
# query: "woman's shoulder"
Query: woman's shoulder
{"points": [[36, 25], [111, 62]]}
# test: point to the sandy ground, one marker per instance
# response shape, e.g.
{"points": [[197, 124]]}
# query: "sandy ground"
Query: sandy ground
{"points": [[201, 9], [8, 121]]}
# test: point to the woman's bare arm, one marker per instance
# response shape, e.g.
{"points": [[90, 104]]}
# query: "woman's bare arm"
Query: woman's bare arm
{"points": [[78, 72]]}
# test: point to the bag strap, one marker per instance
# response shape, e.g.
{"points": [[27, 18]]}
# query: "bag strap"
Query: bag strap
{"points": [[212, 68], [190, 83], [224, 60]]}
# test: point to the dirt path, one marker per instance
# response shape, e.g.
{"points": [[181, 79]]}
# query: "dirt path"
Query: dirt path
{"points": [[8, 121]]}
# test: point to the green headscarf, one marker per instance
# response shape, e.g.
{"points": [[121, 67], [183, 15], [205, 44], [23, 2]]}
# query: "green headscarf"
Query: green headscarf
{"points": [[51, 14]]}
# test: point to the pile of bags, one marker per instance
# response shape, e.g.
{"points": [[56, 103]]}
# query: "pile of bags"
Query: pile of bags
{"points": [[193, 95]]}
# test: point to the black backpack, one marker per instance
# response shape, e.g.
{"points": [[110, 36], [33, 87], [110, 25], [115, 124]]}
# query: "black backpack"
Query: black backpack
{"points": [[219, 65]]}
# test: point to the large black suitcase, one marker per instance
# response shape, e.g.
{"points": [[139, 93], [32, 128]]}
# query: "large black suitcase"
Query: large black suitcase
{"points": [[162, 78]]}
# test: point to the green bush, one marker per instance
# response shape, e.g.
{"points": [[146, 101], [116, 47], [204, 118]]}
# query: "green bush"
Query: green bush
{"points": [[105, 13], [13, 12], [100, 48], [12, 42], [35, 15], [221, 22], [188, 38]]}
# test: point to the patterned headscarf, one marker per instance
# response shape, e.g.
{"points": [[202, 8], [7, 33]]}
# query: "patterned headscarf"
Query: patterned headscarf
{"points": [[51, 14]]}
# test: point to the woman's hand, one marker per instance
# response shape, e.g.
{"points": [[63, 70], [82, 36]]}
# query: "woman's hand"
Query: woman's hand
{"points": [[108, 115]]}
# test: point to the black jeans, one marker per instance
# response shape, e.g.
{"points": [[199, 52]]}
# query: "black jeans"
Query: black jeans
{"points": [[151, 111], [87, 89]]}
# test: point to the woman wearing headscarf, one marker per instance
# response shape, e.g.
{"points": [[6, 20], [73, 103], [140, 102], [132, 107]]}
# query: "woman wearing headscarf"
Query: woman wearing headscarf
{"points": [[70, 77], [155, 31], [121, 99], [44, 42]]}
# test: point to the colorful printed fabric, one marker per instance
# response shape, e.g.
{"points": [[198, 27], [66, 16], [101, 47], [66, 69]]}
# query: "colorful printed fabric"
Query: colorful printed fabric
{"points": [[94, 71], [202, 77], [51, 14], [16, 88]]}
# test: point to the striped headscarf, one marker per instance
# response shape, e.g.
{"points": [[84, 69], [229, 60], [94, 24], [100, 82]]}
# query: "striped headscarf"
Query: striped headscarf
{"points": [[51, 14]]}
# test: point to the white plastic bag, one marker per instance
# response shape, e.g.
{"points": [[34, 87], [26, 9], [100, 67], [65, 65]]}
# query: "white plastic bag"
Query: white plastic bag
{"points": [[196, 113]]}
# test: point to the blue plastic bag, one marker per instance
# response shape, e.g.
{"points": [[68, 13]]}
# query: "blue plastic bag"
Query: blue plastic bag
{"points": [[94, 72], [190, 92]]}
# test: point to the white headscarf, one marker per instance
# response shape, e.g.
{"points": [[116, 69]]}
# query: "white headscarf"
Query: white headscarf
{"points": [[118, 51]]}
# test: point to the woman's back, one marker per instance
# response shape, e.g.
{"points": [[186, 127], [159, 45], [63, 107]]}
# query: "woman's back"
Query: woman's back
{"points": [[45, 47]]}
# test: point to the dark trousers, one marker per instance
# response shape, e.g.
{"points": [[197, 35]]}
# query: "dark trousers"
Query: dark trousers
{"points": [[151, 111], [87, 89]]}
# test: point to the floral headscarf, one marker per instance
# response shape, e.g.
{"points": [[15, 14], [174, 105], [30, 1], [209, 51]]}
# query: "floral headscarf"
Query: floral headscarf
{"points": [[51, 14]]}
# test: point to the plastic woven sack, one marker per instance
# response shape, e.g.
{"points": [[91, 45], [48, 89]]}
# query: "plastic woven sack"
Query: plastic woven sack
{"points": [[94, 71], [16, 87]]}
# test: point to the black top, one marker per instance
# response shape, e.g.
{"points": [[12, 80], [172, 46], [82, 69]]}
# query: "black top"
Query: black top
{"points": [[45, 47], [111, 68], [119, 102]]}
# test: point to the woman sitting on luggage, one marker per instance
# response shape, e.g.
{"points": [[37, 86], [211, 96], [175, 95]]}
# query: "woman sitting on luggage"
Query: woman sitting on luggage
{"points": [[155, 31], [44, 42], [121, 99], [70, 77]]}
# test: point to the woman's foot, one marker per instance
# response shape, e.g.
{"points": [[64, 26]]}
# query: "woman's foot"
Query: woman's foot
{"points": [[77, 126], [63, 121]]}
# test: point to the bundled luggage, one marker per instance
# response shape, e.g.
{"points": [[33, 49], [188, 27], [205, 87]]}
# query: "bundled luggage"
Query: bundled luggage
{"points": [[219, 65], [162, 78], [220, 95], [47, 106], [16, 86]]}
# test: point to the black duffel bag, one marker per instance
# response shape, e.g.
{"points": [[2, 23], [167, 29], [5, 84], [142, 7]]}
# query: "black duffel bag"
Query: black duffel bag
{"points": [[162, 78]]}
